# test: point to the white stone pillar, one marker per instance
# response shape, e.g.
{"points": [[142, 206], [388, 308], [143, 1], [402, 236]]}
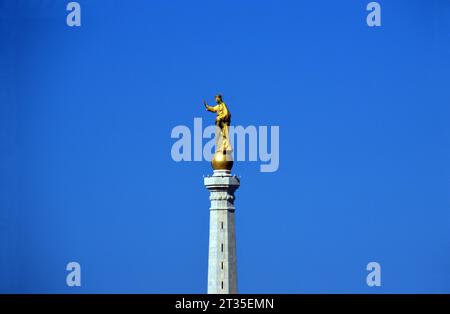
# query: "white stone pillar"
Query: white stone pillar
{"points": [[222, 273]]}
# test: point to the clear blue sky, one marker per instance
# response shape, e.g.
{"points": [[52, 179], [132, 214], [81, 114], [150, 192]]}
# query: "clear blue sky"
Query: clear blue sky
{"points": [[86, 173]]}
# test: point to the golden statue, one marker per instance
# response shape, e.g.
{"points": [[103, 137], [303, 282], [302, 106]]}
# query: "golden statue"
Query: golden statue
{"points": [[222, 159]]}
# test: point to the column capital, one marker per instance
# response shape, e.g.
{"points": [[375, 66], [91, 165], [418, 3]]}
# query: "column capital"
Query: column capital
{"points": [[222, 180]]}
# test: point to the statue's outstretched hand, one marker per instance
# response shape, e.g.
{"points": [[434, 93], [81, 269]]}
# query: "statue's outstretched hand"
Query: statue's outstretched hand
{"points": [[204, 102]]}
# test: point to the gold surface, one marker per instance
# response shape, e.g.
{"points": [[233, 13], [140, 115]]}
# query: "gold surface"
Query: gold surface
{"points": [[222, 161], [223, 120]]}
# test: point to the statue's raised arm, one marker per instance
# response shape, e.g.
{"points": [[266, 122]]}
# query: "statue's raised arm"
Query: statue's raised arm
{"points": [[210, 108]]}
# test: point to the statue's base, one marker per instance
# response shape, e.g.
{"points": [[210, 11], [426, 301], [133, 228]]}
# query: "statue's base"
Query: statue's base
{"points": [[222, 160]]}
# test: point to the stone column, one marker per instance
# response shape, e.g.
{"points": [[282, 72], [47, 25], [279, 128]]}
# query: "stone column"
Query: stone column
{"points": [[222, 273]]}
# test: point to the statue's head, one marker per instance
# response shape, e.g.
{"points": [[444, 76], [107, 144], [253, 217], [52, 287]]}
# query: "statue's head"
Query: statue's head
{"points": [[218, 98]]}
